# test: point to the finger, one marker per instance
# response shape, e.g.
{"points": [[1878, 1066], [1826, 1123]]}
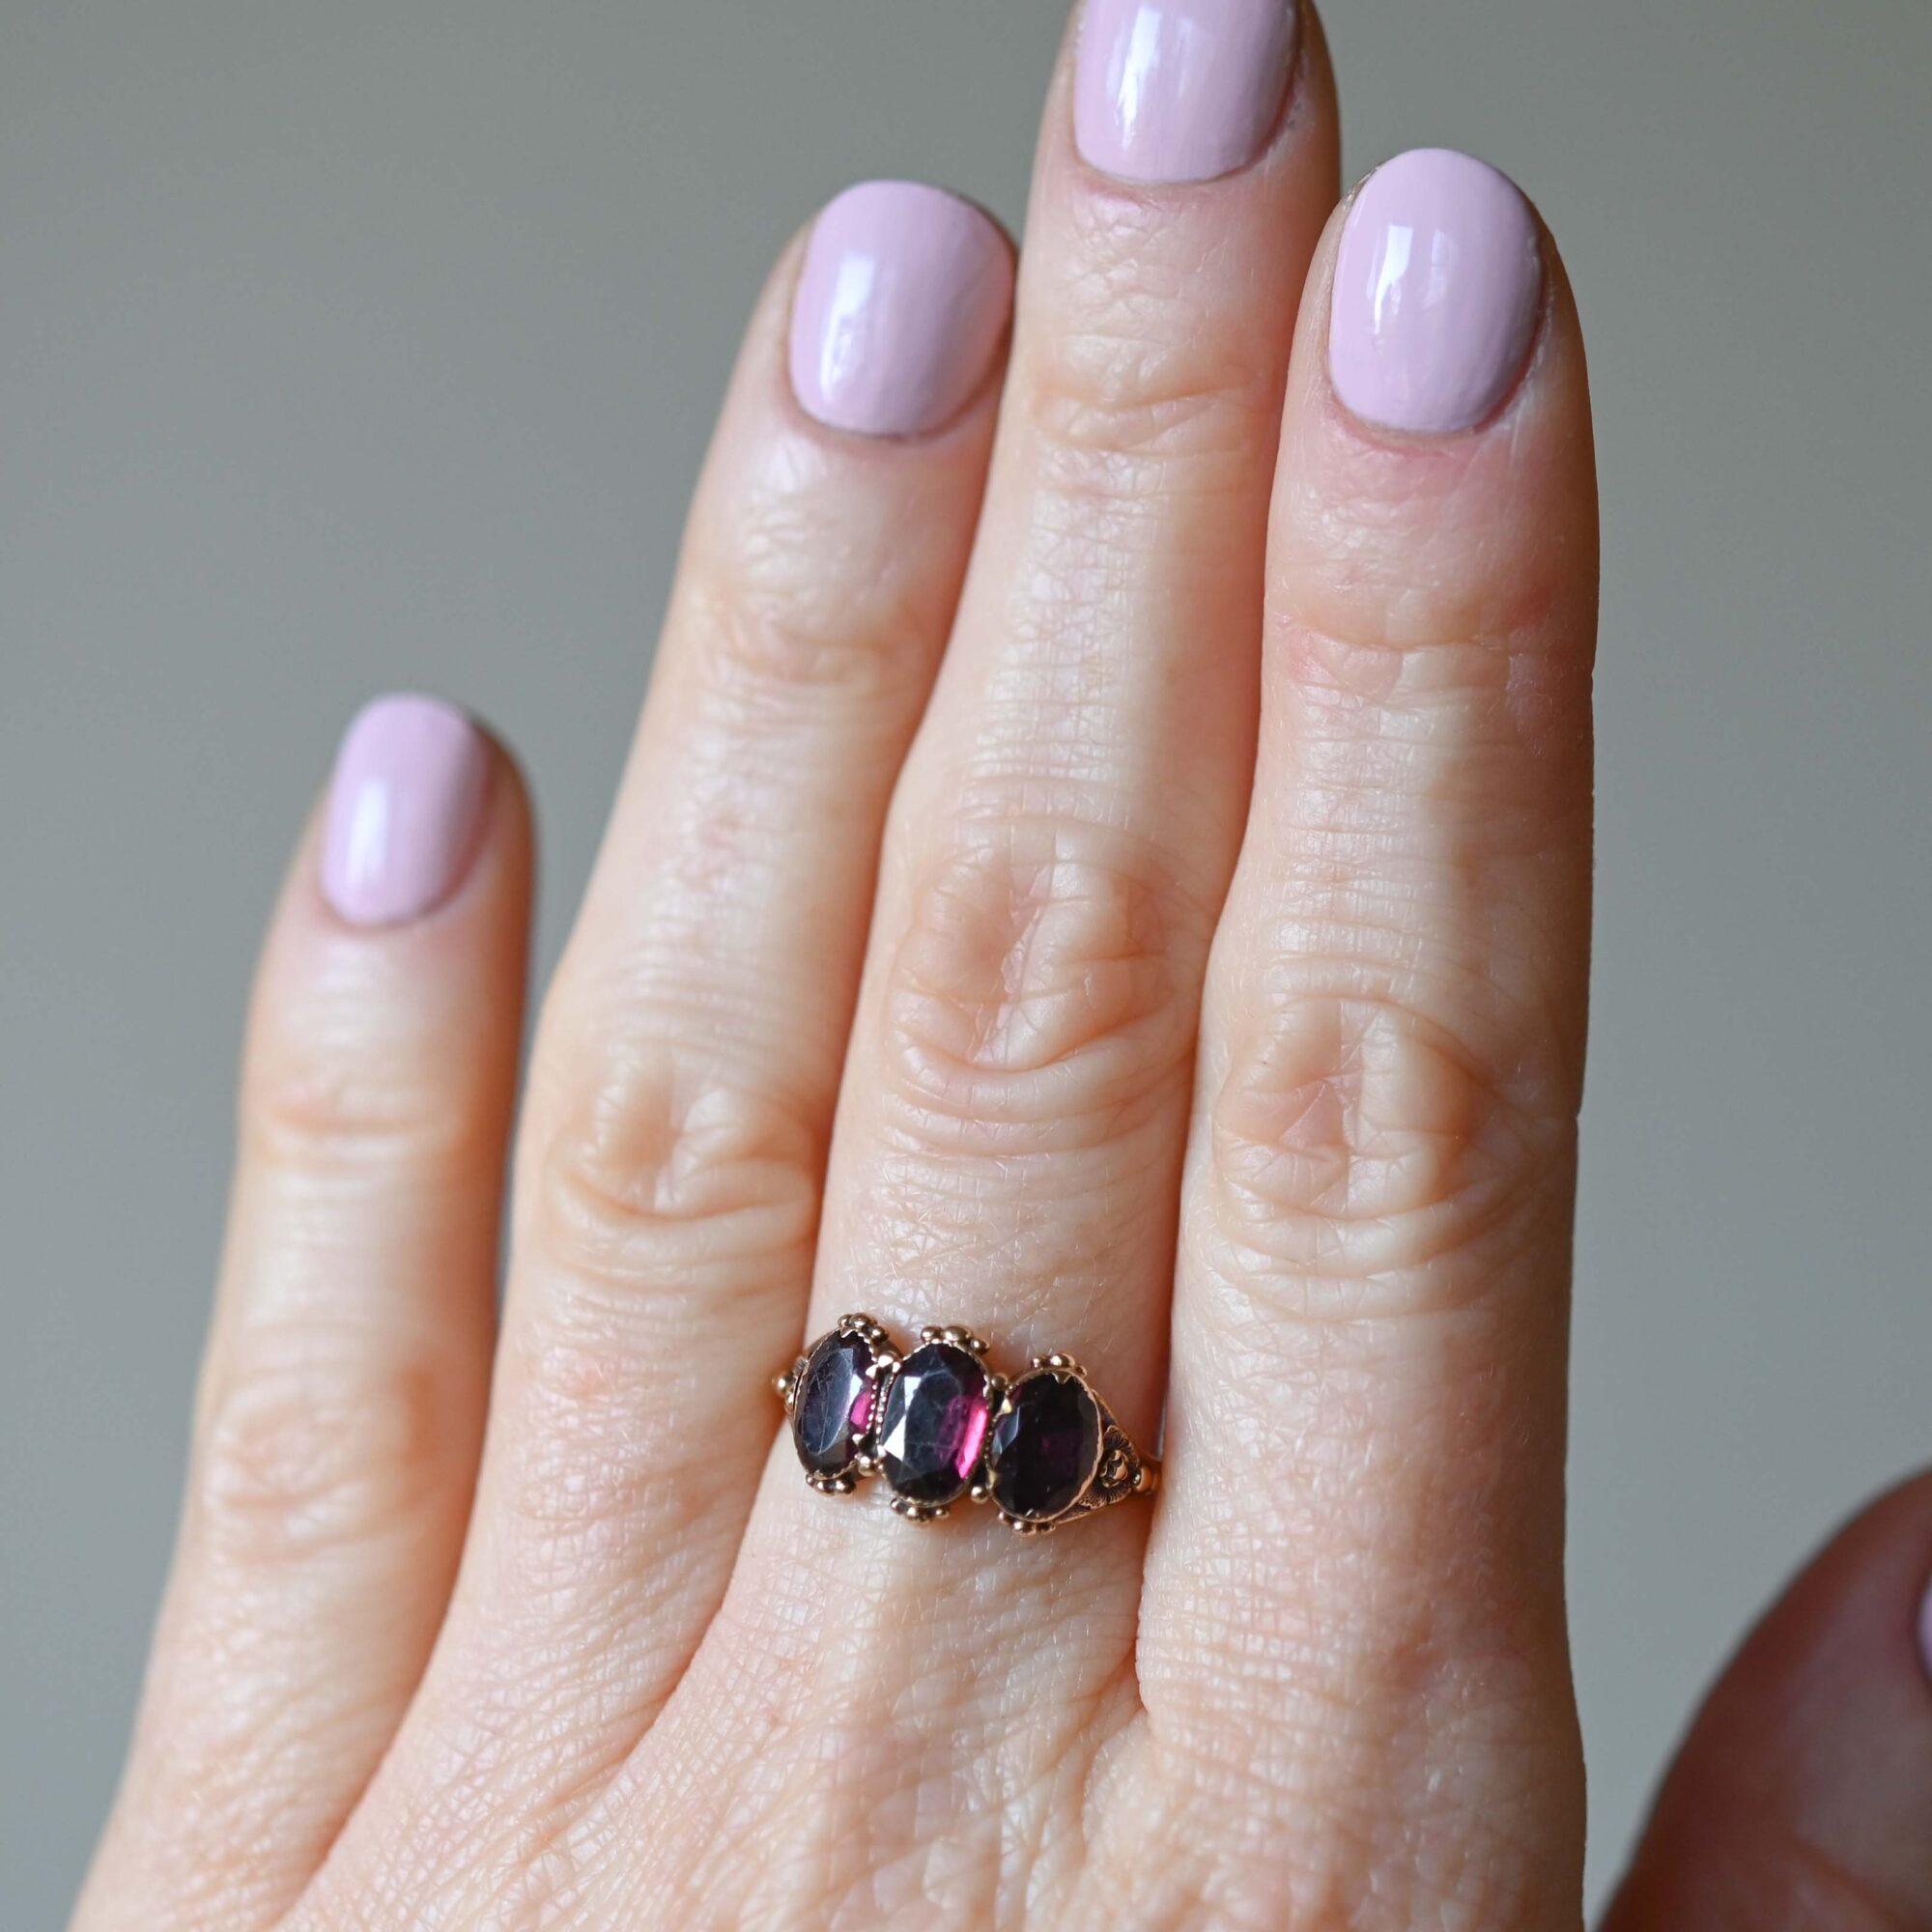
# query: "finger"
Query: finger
{"points": [[1355, 1584], [342, 1397], [1801, 1797], [684, 1076], [1010, 1134]]}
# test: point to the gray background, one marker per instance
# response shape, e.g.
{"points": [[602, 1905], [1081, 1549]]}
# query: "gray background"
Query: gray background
{"points": [[350, 346]]}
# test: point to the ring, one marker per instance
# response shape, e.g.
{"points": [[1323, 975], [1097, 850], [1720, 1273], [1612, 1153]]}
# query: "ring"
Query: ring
{"points": [[938, 1425]]}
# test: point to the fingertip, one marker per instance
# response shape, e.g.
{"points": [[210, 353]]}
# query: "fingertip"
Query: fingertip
{"points": [[405, 805], [1926, 1630], [390, 984], [1855, 1614], [1181, 92], [1807, 1776], [1438, 306], [419, 792], [1437, 480], [1436, 289], [900, 309]]}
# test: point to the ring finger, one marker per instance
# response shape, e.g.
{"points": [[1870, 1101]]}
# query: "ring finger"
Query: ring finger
{"points": [[683, 1078]]}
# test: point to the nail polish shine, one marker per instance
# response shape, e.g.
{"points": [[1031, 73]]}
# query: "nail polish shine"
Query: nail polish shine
{"points": [[1438, 280], [901, 308], [1169, 91], [405, 806]]}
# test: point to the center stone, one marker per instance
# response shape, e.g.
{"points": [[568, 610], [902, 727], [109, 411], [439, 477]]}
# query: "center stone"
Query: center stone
{"points": [[935, 1423]]}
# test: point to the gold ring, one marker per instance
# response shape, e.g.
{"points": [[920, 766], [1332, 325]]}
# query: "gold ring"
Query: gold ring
{"points": [[938, 1425]]}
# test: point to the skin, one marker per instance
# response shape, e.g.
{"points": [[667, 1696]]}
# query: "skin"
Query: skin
{"points": [[1187, 973]]}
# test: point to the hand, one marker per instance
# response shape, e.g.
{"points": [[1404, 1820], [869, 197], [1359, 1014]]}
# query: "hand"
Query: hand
{"points": [[1196, 967]]}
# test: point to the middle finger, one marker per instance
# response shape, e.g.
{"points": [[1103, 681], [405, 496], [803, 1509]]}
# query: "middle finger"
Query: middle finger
{"points": [[1016, 1096]]}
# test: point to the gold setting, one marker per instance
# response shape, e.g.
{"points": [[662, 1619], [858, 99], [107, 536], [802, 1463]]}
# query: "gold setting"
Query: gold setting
{"points": [[1119, 1473]]}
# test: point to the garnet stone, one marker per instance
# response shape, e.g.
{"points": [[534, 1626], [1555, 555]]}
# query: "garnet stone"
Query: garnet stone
{"points": [[831, 1403], [1045, 1446], [935, 1423]]}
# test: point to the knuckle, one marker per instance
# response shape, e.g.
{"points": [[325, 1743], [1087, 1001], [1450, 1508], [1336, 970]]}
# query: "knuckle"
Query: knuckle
{"points": [[359, 1112], [1136, 371], [310, 1446], [671, 1188], [1106, 403], [672, 1175], [1379, 548], [791, 613], [1360, 1145], [1032, 1004], [1491, 728]]}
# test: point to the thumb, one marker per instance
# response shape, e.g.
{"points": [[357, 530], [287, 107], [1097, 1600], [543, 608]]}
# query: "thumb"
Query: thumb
{"points": [[1802, 1796]]}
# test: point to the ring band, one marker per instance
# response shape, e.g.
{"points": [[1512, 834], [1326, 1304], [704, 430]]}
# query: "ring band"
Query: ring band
{"points": [[938, 1425]]}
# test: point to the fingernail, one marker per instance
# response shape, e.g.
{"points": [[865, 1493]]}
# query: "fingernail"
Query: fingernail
{"points": [[1925, 1631], [899, 310], [1436, 285], [1180, 90], [404, 807]]}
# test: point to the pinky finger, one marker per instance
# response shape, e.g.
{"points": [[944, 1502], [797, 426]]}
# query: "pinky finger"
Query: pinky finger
{"points": [[342, 1396]]}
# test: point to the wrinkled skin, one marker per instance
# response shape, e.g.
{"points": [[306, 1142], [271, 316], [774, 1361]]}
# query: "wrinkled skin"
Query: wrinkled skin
{"points": [[1194, 974]]}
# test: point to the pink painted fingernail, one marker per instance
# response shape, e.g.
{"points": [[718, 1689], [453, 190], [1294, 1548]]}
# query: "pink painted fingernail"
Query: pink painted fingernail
{"points": [[1437, 281], [403, 808], [1180, 90], [901, 308]]}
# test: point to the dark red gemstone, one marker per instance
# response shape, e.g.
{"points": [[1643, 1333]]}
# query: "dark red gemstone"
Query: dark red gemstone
{"points": [[1044, 1445], [935, 1423], [831, 1403]]}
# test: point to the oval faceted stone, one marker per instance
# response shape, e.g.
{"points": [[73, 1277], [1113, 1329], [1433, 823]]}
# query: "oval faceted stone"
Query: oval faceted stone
{"points": [[1045, 1445], [831, 1403], [935, 1423]]}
